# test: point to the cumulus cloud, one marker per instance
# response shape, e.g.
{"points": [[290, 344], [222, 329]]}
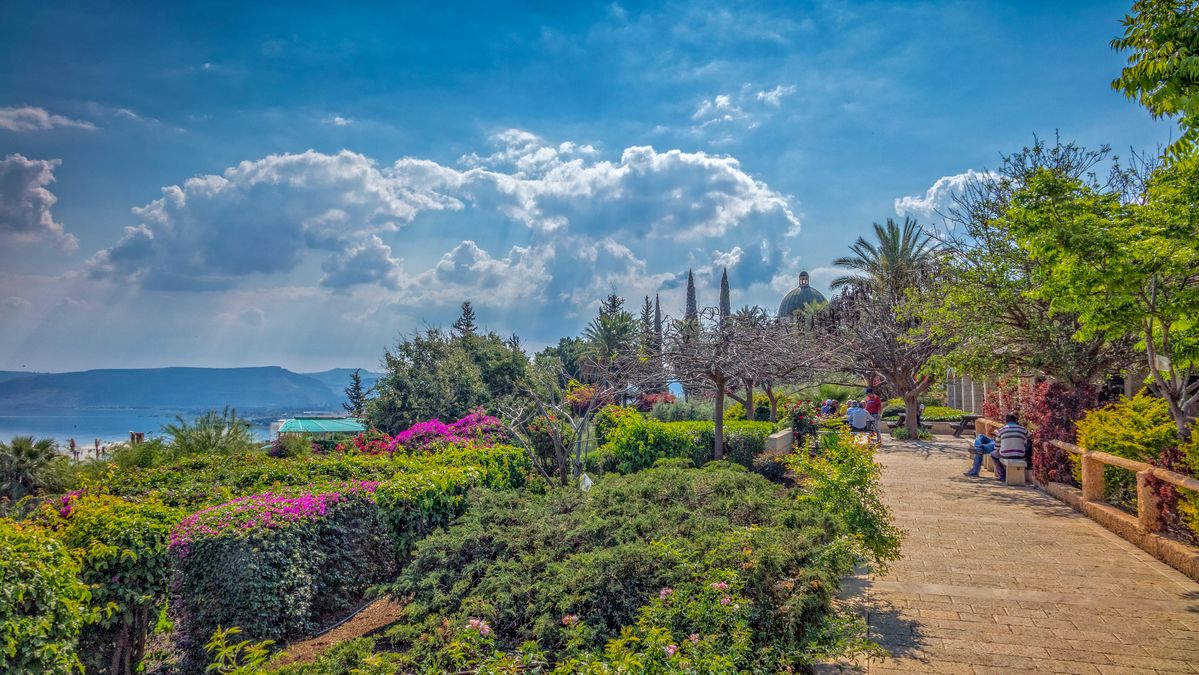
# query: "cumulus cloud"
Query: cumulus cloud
{"points": [[775, 96], [26, 203], [939, 196], [339, 121], [744, 109], [263, 217], [30, 118]]}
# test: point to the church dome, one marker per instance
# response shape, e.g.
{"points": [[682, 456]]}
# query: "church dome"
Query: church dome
{"points": [[800, 297]]}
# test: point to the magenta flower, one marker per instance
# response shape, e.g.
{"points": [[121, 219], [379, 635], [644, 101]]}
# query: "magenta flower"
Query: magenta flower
{"points": [[671, 649], [725, 600]]}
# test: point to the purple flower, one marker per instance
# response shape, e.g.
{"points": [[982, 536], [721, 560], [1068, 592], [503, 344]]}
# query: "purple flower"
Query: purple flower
{"points": [[725, 600]]}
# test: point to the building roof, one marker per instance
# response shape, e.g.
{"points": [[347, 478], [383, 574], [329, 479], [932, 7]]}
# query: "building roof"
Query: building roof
{"points": [[322, 425], [799, 297]]}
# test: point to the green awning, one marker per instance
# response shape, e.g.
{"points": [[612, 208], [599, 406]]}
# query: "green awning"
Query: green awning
{"points": [[322, 425]]}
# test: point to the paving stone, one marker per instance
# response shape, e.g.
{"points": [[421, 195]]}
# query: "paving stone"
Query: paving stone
{"points": [[999, 579]]}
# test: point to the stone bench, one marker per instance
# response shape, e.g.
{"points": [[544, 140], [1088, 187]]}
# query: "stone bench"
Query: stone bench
{"points": [[779, 441], [1013, 471]]}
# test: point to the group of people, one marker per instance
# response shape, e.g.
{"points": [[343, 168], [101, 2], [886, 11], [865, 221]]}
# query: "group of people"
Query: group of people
{"points": [[1011, 442], [861, 416]]}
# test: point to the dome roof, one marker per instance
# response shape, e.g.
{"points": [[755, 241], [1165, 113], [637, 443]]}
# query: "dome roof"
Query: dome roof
{"points": [[799, 297]]}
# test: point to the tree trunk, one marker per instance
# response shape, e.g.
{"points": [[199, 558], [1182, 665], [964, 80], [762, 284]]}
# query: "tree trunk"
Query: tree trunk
{"points": [[911, 406], [718, 415], [751, 412], [774, 402]]}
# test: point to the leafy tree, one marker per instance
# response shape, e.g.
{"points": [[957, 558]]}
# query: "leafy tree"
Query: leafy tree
{"points": [[1163, 69], [981, 310], [1125, 268], [355, 395], [867, 320], [465, 323], [570, 353], [28, 466]]}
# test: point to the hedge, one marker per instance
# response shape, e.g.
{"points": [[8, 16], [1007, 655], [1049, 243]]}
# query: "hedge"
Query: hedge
{"points": [[279, 564], [634, 443], [122, 548], [43, 604]]}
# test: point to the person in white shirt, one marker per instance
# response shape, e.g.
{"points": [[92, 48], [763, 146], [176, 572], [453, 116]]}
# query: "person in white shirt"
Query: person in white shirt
{"points": [[859, 419]]}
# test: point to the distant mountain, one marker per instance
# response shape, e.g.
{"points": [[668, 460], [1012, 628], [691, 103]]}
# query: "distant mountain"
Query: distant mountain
{"points": [[247, 389], [6, 375], [337, 379]]}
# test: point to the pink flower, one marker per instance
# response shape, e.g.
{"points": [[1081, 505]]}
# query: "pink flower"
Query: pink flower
{"points": [[570, 620], [720, 586], [725, 600], [694, 638], [480, 626], [665, 593], [671, 649]]}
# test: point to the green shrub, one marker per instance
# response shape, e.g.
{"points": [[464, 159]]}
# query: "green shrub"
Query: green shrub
{"points": [[1138, 428], [212, 433], [666, 552], [842, 480], [689, 410], [636, 443], [123, 552], [43, 604], [609, 417]]}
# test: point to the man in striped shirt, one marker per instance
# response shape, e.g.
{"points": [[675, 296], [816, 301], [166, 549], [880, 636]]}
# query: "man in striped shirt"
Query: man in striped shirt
{"points": [[1012, 440]]}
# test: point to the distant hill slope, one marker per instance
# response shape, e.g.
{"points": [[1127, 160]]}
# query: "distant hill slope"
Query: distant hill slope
{"points": [[337, 379], [6, 375], [269, 387]]}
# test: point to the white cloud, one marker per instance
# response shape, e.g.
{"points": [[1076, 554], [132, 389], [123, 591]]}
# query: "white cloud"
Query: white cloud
{"points": [[939, 196], [30, 118], [339, 121], [25, 202], [263, 217], [775, 96]]}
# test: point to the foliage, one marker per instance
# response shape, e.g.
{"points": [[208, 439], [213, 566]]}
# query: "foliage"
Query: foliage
{"points": [[28, 466], [477, 427], [211, 433], [649, 400], [43, 604], [1124, 268], [239, 658], [290, 446], [902, 434], [842, 479], [932, 413], [645, 559], [610, 417], [1138, 428], [541, 432], [355, 403], [804, 418], [438, 375], [634, 443], [688, 410], [122, 548], [1163, 36], [1050, 411]]}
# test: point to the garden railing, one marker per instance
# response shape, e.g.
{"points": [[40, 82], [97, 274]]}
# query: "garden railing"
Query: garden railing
{"points": [[1148, 512]]}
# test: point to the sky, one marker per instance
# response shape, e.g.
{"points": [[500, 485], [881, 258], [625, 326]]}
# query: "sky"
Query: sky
{"points": [[298, 184]]}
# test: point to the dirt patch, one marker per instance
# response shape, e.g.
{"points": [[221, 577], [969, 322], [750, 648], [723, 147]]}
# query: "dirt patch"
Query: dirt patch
{"points": [[374, 616]]}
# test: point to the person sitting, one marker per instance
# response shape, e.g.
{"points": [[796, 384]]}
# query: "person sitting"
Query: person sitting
{"points": [[1013, 440], [983, 445], [829, 407], [858, 418]]}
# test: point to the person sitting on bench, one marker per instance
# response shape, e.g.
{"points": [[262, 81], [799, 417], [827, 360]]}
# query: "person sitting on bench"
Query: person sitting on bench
{"points": [[983, 446], [858, 418], [1012, 439]]}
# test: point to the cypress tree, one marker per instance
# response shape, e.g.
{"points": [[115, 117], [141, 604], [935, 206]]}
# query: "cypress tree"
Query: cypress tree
{"points": [[692, 313], [725, 309]]}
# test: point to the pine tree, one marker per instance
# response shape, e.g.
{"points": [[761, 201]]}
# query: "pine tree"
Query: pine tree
{"points": [[611, 305], [657, 323], [465, 325], [725, 308], [692, 313], [646, 327], [355, 395]]}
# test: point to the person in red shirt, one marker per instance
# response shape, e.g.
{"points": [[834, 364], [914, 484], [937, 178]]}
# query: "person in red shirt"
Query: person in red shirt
{"points": [[874, 405]]}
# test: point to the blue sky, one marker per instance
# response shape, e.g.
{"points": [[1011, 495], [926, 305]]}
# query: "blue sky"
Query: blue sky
{"points": [[295, 184]]}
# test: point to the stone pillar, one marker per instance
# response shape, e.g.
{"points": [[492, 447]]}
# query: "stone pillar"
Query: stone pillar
{"points": [[1092, 479], [1148, 515]]}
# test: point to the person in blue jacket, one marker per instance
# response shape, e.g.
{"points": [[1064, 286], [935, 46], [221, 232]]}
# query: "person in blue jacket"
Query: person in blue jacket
{"points": [[983, 445]]}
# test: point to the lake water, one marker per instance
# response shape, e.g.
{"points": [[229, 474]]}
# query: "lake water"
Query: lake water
{"points": [[85, 429]]}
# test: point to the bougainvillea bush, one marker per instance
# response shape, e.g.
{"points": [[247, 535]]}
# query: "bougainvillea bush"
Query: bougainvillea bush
{"points": [[43, 604], [696, 563]]}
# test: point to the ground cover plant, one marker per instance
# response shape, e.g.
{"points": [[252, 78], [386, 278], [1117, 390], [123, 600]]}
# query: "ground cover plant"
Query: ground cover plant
{"points": [[709, 561]]}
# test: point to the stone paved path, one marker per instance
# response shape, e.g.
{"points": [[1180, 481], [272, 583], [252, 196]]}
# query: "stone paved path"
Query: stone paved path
{"points": [[999, 579]]}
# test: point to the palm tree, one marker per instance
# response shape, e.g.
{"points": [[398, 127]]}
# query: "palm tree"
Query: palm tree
{"points": [[899, 260], [26, 466], [609, 335]]}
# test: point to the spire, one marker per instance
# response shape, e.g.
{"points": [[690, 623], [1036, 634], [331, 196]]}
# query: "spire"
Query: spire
{"points": [[725, 308], [692, 313]]}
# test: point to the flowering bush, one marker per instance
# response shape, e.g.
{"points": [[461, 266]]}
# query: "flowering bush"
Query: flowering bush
{"points": [[373, 442], [805, 418], [43, 604]]}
